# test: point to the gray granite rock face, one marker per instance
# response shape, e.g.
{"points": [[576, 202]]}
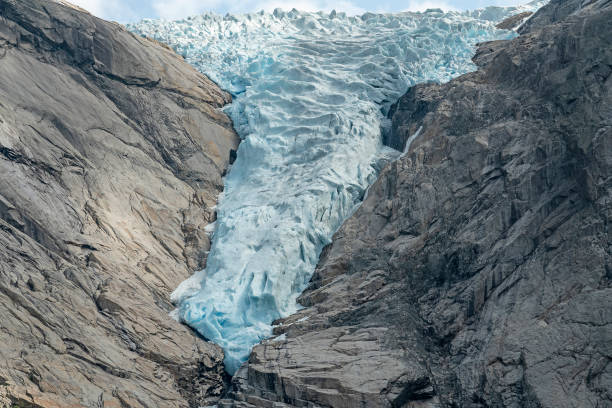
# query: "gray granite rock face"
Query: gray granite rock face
{"points": [[514, 21], [112, 150], [478, 271]]}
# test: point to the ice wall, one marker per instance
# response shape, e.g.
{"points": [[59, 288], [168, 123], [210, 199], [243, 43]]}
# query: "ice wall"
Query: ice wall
{"points": [[310, 92]]}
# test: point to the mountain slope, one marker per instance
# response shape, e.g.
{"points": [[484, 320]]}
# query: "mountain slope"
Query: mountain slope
{"points": [[112, 150], [478, 271]]}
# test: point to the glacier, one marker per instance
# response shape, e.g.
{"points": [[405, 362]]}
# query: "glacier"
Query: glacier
{"points": [[310, 94]]}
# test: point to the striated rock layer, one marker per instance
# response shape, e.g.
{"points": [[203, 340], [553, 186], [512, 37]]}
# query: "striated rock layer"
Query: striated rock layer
{"points": [[112, 150], [478, 271]]}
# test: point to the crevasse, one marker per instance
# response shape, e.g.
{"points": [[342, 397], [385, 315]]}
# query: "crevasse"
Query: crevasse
{"points": [[310, 93]]}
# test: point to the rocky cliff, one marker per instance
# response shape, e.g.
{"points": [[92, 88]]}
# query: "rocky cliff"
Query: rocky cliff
{"points": [[478, 271], [112, 150]]}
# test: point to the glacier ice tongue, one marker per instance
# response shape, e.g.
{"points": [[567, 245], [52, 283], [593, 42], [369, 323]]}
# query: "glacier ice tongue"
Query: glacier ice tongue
{"points": [[310, 93]]}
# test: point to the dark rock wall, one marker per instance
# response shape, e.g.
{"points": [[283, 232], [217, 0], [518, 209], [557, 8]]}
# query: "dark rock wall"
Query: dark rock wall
{"points": [[112, 150], [478, 271]]}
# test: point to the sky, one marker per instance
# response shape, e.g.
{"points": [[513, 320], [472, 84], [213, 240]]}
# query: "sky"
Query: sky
{"points": [[126, 11]]}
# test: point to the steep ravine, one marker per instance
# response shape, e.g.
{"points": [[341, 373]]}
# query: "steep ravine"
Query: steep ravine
{"points": [[112, 150], [478, 271], [311, 92]]}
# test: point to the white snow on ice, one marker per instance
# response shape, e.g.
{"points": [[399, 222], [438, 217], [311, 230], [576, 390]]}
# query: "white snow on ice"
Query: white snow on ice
{"points": [[311, 91]]}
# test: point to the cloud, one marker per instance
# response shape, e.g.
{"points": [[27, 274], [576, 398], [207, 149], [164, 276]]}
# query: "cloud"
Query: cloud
{"points": [[116, 10], [428, 4], [174, 9]]}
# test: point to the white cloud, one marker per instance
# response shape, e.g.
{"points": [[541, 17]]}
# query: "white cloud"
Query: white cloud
{"points": [[173, 9], [428, 4], [108, 9]]}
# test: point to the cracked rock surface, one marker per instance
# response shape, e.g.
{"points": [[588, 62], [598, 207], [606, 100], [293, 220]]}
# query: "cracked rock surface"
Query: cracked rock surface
{"points": [[478, 271], [112, 150]]}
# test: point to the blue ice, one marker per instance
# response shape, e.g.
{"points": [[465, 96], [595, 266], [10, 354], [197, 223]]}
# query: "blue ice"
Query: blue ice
{"points": [[310, 95]]}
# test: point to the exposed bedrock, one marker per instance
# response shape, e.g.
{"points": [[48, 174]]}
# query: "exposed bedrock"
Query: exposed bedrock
{"points": [[112, 150], [477, 273]]}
